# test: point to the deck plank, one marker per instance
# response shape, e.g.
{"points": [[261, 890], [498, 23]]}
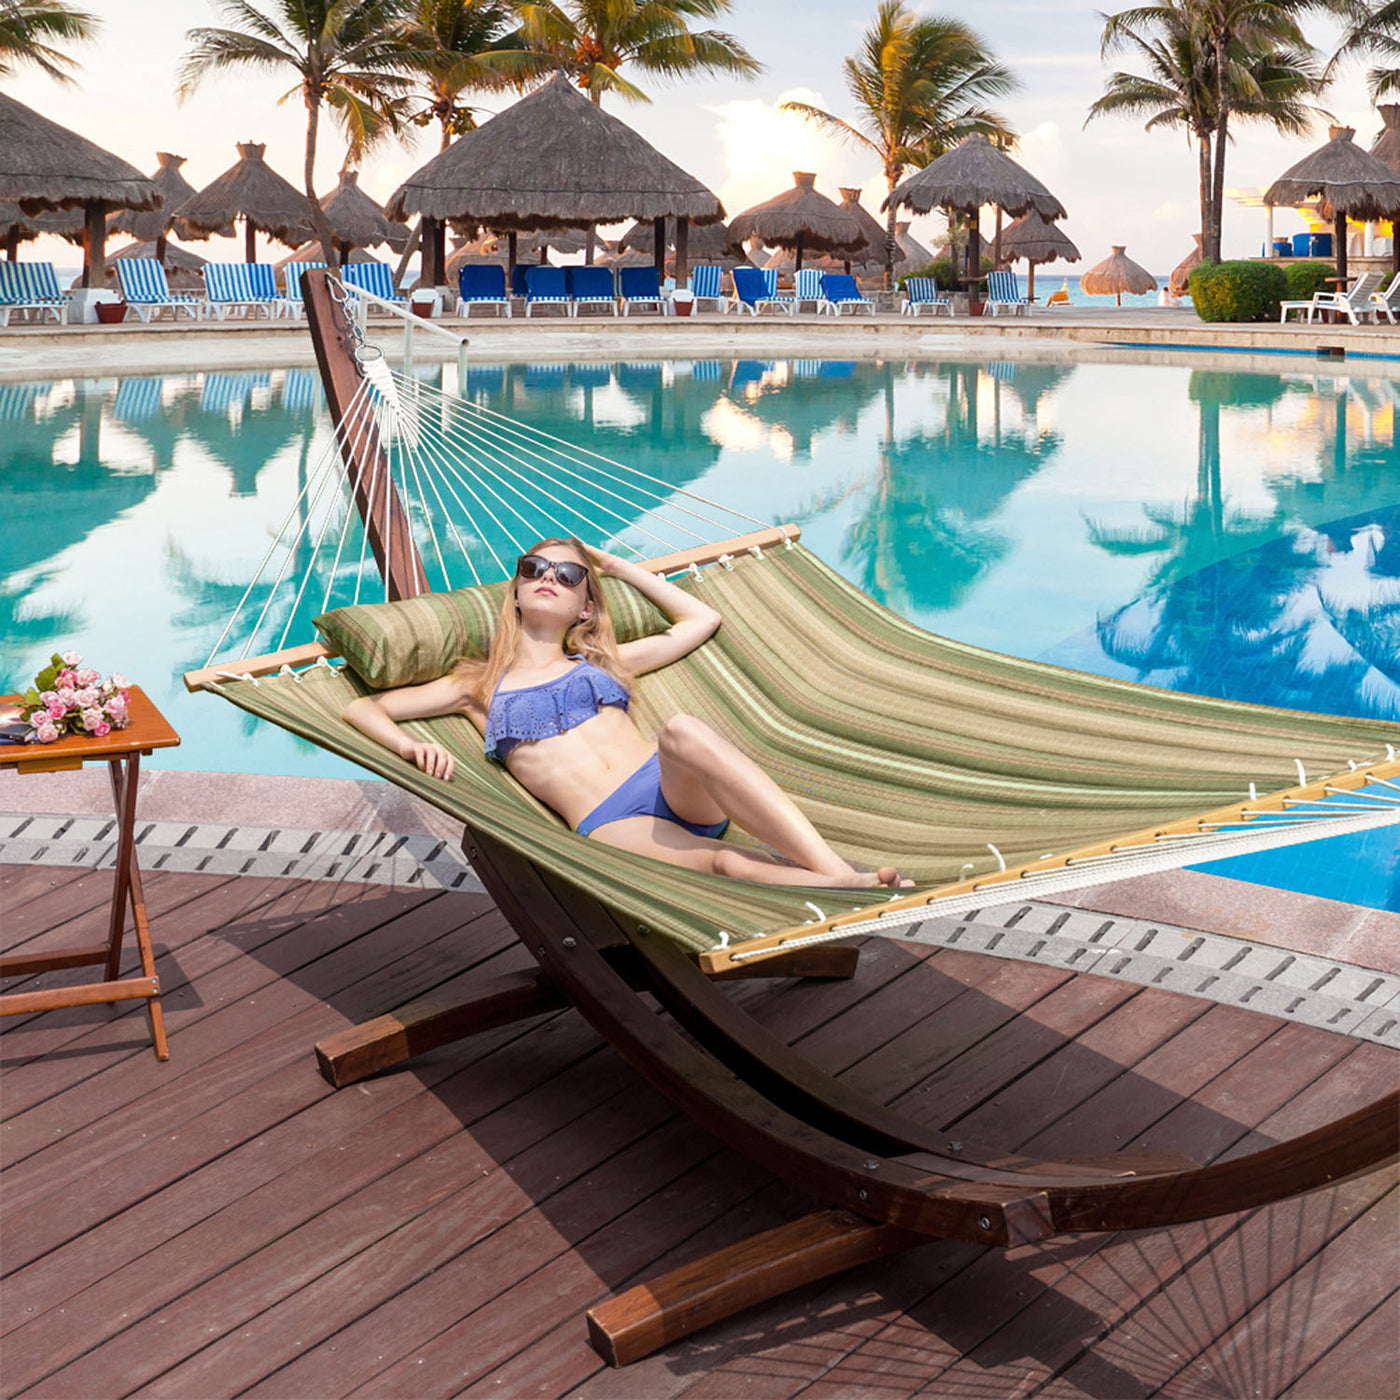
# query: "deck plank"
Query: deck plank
{"points": [[440, 1230], [1362, 1366]]}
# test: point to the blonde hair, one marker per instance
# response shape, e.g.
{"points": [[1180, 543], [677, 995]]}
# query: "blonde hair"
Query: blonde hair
{"points": [[593, 639]]}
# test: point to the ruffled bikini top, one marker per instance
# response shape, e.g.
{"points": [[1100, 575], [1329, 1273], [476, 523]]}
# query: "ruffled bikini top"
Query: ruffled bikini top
{"points": [[552, 707]]}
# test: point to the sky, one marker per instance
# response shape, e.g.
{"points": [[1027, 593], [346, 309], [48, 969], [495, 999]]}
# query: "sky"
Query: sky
{"points": [[1121, 185]]}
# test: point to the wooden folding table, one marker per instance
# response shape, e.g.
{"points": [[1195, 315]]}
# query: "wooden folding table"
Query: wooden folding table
{"points": [[121, 751]]}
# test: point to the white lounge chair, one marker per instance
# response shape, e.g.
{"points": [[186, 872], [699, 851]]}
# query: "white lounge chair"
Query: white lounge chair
{"points": [[807, 286], [921, 294], [30, 286], [1003, 294], [1353, 304], [706, 284], [244, 288], [1387, 303], [147, 293]]}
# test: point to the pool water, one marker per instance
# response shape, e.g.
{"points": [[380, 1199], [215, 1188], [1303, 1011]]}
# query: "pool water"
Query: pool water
{"points": [[1233, 533]]}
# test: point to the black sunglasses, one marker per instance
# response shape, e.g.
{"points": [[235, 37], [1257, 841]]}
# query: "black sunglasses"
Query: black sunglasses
{"points": [[533, 567]]}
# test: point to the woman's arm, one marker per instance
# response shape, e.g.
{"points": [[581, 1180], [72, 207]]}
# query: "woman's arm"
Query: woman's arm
{"points": [[375, 715], [692, 621]]}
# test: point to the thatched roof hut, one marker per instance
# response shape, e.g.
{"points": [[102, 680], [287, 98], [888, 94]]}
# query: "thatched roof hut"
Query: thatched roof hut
{"points": [[1350, 180], [17, 227], [1181, 274], [971, 175], [357, 221], [1117, 274], [708, 244], [552, 160], [915, 254], [800, 219], [46, 166], [1034, 240], [253, 191], [1387, 145], [153, 225]]}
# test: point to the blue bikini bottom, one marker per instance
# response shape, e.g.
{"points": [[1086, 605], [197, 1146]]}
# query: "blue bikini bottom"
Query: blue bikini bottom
{"points": [[640, 796]]}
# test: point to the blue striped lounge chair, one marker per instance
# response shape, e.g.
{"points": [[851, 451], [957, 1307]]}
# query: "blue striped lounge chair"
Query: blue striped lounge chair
{"points": [[591, 286], [840, 293], [482, 284], [291, 281], [30, 286], [242, 287], [757, 287], [1004, 294], [546, 286], [640, 286], [707, 284], [147, 293], [807, 286], [921, 294], [373, 277]]}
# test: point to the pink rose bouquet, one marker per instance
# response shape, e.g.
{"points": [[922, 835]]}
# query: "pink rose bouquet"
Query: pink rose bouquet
{"points": [[67, 698]]}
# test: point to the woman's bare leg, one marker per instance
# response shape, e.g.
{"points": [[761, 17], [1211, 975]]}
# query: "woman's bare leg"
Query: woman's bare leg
{"points": [[705, 779]]}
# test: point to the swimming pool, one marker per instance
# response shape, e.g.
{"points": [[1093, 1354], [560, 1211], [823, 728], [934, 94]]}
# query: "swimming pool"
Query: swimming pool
{"points": [[1232, 532]]}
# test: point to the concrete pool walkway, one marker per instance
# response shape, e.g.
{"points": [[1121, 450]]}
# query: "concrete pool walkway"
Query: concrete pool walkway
{"points": [[27, 352]]}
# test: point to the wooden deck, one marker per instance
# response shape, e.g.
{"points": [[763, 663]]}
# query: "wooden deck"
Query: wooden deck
{"points": [[226, 1224]]}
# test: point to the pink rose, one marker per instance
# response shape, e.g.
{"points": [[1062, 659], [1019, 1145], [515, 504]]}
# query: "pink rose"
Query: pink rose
{"points": [[89, 677], [118, 680], [72, 658], [66, 694], [48, 697], [46, 733], [66, 680], [86, 698], [57, 710], [101, 729], [91, 719]]}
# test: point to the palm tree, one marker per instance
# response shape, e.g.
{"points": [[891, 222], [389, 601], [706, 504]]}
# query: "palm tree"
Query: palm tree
{"points": [[919, 83], [1377, 31], [463, 46], [29, 30], [349, 55], [594, 39], [1269, 72]]}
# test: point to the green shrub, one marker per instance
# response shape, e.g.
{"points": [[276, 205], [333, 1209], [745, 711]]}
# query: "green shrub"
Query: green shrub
{"points": [[1238, 291], [947, 275], [1306, 278]]}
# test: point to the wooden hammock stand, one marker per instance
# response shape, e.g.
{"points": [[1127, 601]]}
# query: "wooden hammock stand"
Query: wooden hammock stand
{"points": [[892, 1183]]}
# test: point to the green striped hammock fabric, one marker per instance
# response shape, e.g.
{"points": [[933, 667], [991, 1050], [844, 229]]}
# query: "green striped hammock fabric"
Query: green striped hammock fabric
{"points": [[902, 747]]}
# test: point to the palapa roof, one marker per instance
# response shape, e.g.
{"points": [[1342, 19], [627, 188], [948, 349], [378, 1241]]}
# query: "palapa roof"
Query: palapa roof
{"points": [[148, 225], [46, 166], [60, 223], [1387, 144], [1116, 274], [1036, 240], [875, 233], [357, 220], [975, 173], [914, 251], [823, 227], [552, 160], [1349, 179], [1181, 273], [705, 243], [252, 190]]}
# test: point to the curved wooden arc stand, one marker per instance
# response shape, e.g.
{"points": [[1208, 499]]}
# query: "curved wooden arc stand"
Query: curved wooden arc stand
{"points": [[889, 1181]]}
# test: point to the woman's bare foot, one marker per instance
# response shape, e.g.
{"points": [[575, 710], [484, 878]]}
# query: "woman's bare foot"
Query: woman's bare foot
{"points": [[888, 876]]}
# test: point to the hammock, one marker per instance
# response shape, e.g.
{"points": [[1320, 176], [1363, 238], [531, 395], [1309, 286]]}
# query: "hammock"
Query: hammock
{"points": [[961, 765]]}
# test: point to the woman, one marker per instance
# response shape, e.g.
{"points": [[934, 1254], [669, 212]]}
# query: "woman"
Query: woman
{"points": [[551, 699]]}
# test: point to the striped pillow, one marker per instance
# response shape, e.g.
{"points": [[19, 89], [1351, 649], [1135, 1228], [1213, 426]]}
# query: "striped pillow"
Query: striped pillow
{"points": [[417, 640]]}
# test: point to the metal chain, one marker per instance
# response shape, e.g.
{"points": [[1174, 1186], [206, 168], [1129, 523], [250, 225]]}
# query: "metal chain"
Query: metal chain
{"points": [[351, 305]]}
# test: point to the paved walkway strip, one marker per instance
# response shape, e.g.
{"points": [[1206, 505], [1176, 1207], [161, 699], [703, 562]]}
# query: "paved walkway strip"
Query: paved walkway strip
{"points": [[1315, 991]]}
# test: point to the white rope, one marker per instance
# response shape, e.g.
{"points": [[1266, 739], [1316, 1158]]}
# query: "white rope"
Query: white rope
{"points": [[896, 923]]}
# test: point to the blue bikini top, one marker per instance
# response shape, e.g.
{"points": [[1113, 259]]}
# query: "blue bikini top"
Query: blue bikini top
{"points": [[552, 707]]}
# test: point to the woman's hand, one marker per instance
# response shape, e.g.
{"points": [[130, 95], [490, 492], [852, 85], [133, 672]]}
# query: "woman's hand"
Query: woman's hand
{"points": [[605, 563], [433, 759]]}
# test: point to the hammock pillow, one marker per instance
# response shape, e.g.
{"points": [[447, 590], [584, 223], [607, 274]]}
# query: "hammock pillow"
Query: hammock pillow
{"points": [[406, 643]]}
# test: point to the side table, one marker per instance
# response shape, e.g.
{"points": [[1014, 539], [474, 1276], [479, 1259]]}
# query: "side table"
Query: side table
{"points": [[121, 751]]}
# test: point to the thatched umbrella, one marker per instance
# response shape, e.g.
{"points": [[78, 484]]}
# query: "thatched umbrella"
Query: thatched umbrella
{"points": [[800, 219], [914, 252], [46, 166], [184, 270], [709, 244], [153, 225], [357, 221], [1387, 145], [1352, 181], [1117, 274], [971, 175], [253, 191], [876, 235], [1180, 279], [17, 227], [551, 160], [1037, 241]]}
